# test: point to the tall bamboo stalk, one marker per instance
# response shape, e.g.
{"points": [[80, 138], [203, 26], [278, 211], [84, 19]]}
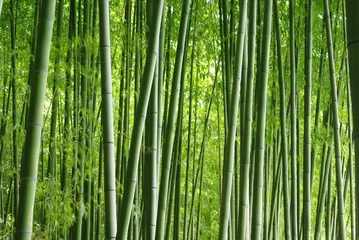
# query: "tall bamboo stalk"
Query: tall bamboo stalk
{"points": [[189, 137], [1, 2], [83, 117], [152, 157], [261, 122], [55, 91], [139, 121], [337, 142], [107, 122], [14, 109], [245, 163], [350, 163], [352, 10], [293, 125], [232, 126], [307, 196], [283, 125], [29, 166], [170, 124]]}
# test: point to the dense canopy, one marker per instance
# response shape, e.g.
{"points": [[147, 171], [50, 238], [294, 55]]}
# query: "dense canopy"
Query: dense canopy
{"points": [[192, 119]]}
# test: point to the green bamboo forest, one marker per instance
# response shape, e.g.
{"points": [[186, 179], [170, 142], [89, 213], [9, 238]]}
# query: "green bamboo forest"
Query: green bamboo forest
{"points": [[184, 120]]}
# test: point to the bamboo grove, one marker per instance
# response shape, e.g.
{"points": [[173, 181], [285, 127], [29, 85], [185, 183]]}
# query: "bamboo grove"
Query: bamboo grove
{"points": [[192, 119]]}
